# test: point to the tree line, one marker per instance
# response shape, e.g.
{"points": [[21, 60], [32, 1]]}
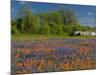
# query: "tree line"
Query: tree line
{"points": [[57, 22]]}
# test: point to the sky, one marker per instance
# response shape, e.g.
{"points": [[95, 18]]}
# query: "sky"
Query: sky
{"points": [[86, 14]]}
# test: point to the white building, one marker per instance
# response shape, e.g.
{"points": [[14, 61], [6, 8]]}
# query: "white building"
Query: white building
{"points": [[84, 33]]}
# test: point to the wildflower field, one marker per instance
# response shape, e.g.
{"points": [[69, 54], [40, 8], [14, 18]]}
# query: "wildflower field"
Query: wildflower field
{"points": [[53, 55]]}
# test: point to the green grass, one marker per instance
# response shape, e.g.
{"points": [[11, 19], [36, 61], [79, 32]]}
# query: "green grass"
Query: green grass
{"points": [[23, 37]]}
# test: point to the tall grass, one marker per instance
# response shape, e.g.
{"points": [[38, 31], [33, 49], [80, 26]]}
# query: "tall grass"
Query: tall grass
{"points": [[23, 37]]}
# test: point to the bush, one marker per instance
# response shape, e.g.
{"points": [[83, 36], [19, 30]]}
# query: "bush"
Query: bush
{"points": [[14, 30]]}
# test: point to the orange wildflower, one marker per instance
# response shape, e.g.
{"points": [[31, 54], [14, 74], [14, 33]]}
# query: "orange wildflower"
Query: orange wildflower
{"points": [[50, 62], [48, 50], [18, 55], [37, 50], [84, 50], [19, 64]]}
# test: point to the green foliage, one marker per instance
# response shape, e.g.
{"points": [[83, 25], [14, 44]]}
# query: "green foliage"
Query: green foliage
{"points": [[14, 30], [45, 29], [68, 17], [59, 22]]}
